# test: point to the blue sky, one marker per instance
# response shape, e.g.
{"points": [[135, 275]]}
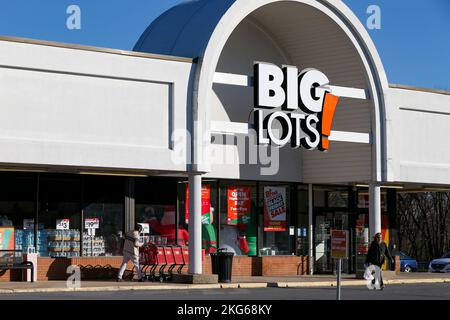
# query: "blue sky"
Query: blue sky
{"points": [[414, 39]]}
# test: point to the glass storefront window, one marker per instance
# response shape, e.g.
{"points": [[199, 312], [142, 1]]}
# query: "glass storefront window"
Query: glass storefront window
{"points": [[363, 200], [60, 215], [17, 210], [275, 201], [330, 197], [319, 198], [209, 212], [238, 217], [337, 199], [183, 228], [156, 206], [103, 206], [302, 229]]}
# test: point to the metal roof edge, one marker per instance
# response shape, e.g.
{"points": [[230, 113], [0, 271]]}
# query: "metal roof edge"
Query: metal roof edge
{"points": [[97, 49], [412, 88]]}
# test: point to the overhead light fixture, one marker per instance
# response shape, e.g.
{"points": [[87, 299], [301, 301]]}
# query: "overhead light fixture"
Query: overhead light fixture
{"points": [[203, 181], [437, 189], [96, 173], [382, 187], [392, 187]]}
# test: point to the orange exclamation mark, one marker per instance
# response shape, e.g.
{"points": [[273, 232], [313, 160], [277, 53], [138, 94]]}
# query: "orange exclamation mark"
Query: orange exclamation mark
{"points": [[329, 107]]}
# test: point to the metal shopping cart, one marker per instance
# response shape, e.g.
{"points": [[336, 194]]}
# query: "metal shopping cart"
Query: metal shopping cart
{"points": [[148, 260], [179, 258], [158, 263], [170, 264], [157, 273], [185, 252]]}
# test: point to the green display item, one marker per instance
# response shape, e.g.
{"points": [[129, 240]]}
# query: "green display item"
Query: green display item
{"points": [[252, 245], [251, 233], [209, 239]]}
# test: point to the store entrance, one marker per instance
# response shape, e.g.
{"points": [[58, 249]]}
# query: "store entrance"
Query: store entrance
{"points": [[324, 223]]}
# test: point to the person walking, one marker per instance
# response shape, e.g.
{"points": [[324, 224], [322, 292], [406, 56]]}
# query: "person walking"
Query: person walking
{"points": [[377, 254], [131, 251]]}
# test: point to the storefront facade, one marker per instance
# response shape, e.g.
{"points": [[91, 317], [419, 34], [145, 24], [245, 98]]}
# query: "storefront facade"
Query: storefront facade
{"points": [[214, 131]]}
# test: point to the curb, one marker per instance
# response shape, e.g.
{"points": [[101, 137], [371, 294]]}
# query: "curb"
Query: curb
{"points": [[314, 284], [413, 281], [248, 285], [353, 283], [6, 291], [253, 285], [114, 288], [222, 286]]}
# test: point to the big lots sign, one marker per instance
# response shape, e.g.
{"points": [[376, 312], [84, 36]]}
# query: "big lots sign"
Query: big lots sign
{"points": [[292, 91]]}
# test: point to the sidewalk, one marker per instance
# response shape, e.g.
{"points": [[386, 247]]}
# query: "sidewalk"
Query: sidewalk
{"points": [[238, 282]]}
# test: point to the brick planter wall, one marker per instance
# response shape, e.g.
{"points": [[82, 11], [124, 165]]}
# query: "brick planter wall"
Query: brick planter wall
{"points": [[284, 265], [10, 275], [265, 266], [52, 269], [106, 268], [242, 266]]}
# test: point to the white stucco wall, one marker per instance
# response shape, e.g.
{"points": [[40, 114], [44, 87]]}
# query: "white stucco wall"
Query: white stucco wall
{"points": [[78, 108], [418, 134]]}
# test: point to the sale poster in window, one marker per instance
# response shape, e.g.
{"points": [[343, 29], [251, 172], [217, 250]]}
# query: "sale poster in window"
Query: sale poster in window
{"points": [[7, 238], [275, 209], [206, 205], [239, 205]]}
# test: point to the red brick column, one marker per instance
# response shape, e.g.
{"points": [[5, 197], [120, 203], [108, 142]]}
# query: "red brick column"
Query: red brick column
{"points": [[397, 265]]}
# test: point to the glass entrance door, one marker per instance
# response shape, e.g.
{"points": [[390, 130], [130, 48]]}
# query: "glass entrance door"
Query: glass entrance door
{"points": [[322, 245], [324, 223]]}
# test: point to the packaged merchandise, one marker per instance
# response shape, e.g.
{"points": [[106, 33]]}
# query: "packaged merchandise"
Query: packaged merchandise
{"points": [[64, 243], [93, 246], [53, 243]]}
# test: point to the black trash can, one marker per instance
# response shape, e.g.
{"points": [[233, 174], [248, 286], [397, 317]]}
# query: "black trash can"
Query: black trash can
{"points": [[222, 264]]}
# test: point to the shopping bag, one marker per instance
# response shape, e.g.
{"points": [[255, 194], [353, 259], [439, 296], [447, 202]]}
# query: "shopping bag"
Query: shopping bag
{"points": [[368, 274]]}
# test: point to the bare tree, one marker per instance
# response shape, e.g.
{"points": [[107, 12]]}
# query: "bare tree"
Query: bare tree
{"points": [[424, 224]]}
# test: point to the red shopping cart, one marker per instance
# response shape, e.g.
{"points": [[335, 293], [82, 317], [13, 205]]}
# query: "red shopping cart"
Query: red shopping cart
{"points": [[157, 273], [178, 256], [170, 263], [148, 260], [185, 251]]}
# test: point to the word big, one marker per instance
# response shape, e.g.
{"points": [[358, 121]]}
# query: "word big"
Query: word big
{"points": [[290, 90]]}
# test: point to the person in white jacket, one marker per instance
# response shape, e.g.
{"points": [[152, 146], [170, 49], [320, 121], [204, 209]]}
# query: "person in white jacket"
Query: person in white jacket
{"points": [[131, 251]]}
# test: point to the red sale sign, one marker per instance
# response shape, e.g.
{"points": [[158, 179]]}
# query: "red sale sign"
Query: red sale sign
{"points": [[339, 244], [275, 209], [206, 205], [239, 205]]}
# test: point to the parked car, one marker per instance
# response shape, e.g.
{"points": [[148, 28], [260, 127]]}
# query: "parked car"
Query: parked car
{"points": [[407, 264], [440, 265]]}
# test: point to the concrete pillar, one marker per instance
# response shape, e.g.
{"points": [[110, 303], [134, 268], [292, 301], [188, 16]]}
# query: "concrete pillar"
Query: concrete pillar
{"points": [[374, 209], [195, 224], [310, 230]]}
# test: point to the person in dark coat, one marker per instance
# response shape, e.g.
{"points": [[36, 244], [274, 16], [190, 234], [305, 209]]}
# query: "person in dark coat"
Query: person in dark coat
{"points": [[377, 254]]}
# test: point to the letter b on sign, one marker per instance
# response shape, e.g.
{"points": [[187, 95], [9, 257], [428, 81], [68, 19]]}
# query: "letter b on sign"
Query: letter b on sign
{"points": [[269, 91]]}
